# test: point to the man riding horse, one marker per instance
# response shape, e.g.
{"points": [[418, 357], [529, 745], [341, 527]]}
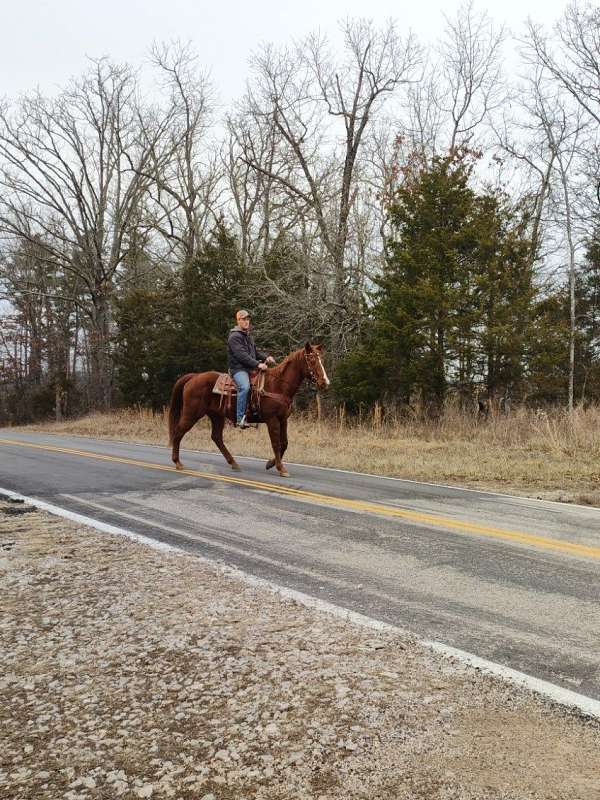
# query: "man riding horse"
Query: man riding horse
{"points": [[243, 358], [194, 397]]}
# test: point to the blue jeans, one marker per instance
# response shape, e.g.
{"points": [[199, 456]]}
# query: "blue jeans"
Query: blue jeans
{"points": [[243, 383]]}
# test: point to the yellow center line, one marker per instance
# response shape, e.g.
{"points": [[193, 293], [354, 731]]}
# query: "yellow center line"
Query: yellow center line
{"points": [[365, 506]]}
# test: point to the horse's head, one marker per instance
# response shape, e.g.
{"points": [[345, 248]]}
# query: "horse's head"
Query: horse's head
{"points": [[316, 370]]}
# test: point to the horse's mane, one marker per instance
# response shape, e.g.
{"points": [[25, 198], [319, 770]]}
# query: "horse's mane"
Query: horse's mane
{"points": [[291, 357]]}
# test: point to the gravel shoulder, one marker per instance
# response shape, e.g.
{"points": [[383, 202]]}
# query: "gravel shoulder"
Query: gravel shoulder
{"points": [[130, 672]]}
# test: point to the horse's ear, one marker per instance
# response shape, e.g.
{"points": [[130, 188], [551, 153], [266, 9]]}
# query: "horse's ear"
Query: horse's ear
{"points": [[318, 347], [308, 347]]}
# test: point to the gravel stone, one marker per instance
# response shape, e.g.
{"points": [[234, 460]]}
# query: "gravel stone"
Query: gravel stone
{"points": [[132, 672]]}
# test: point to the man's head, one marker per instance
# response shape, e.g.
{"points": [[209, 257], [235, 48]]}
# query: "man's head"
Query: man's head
{"points": [[243, 319]]}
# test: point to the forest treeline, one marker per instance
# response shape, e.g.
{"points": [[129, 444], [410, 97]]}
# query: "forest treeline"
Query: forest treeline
{"points": [[428, 216]]}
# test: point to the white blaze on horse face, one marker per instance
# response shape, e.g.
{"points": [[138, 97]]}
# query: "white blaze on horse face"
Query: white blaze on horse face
{"points": [[327, 381]]}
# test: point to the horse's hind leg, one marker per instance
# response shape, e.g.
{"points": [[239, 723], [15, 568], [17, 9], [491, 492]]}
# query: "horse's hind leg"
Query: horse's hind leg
{"points": [[183, 426], [218, 423]]}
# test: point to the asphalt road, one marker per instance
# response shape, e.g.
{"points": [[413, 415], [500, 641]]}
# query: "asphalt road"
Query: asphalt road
{"points": [[512, 580]]}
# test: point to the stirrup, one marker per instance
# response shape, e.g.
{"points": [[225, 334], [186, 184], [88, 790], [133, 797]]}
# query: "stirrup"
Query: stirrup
{"points": [[242, 424]]}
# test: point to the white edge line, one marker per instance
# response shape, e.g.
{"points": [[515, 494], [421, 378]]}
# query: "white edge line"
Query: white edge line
{"points": [[83, 520], [522, 497], [564, 697]]}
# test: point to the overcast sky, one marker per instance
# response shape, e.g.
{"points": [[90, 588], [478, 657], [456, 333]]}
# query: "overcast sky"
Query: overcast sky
{"points": [[44, 42]]}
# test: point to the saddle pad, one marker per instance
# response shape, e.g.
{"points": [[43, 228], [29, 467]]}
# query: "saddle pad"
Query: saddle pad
{"points": [[224, 384]]}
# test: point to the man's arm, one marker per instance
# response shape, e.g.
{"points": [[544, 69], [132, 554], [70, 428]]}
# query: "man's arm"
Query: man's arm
{"points": [[264, 358]]}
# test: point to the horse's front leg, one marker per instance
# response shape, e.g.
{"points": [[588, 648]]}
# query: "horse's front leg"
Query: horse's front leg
{"points": [[283, 442], [283, 436], [274, 427]]}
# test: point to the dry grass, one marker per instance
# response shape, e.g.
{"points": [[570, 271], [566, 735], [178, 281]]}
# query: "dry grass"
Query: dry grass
{"points": [[542, 454]]}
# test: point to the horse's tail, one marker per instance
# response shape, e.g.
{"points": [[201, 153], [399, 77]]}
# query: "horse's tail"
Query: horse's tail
{"points": [[176, 403]]}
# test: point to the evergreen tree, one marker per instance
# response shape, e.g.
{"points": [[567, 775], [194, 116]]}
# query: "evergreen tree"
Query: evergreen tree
{"points": [[548, 360], [212, 288], [362, 377], [149, 323], [588, 341], [453, 304], [180, 324], [426, 308], [548, 349], [507, 295]]}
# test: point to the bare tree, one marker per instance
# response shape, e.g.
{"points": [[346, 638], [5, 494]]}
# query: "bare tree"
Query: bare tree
{"points": [[562, 131], [556, 128], [303, 94], [571, 55], [461, 88], [262, 205], [73, 172], [470, 64], [571, 59], [519, 138], [184, 173], [44, 311]]}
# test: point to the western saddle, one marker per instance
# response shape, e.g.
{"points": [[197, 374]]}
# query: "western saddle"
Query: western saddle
{"points": [[227, 388]]}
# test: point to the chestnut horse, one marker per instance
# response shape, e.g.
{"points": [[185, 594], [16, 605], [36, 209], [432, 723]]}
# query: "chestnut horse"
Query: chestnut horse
{"points": [[193, 397]]}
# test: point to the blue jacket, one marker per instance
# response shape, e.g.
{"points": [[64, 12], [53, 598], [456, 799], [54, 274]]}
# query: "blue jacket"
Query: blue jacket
{"points": [[242, 352]]}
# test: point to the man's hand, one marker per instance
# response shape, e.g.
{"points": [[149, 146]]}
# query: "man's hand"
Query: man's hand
{"points": [[270, 360], [262, 366]]}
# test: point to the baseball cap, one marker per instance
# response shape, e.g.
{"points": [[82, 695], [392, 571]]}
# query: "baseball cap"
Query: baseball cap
{"points": [[242, 314]]}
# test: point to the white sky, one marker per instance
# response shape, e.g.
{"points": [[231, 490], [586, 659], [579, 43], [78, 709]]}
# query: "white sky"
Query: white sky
{"points": [[45, 42]]}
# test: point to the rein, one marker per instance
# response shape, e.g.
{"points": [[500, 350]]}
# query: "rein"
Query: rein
{"points": [[279, 398], [258, 392], [259, 388]]}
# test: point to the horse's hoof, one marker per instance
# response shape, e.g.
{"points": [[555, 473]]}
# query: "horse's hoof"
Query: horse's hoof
{"points": [[179, 465], [284, 473], [236, 467], [270, 464]]}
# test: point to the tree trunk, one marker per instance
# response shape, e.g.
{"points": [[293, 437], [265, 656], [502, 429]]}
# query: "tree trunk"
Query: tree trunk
{"points": [[572, 317], [58, 396], [100, 360]]}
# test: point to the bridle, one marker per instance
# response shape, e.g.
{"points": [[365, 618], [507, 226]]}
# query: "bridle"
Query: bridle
{"points": [[260, 392], [310, 363]]}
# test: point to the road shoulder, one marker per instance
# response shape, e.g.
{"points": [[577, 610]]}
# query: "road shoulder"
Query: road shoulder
{"points": [[136, 672]]}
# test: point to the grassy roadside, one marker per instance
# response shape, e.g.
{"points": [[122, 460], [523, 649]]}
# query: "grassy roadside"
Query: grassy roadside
{"points": [[540, 454]]}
